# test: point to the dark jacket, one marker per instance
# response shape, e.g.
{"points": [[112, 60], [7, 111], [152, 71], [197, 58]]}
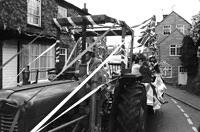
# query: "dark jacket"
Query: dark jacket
{"points": [[147, 74]]}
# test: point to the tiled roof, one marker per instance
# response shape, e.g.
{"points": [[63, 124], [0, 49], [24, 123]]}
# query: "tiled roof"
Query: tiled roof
{"points": [[170, 15], [171, 35]]}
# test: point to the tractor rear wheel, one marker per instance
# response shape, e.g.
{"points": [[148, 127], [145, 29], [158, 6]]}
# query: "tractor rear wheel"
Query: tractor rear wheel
{"points": [[128, 113]]}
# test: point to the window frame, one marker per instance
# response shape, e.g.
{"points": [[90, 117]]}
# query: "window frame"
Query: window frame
{"points": [[168, 69], [65, 54], [49, 60], [176, 47], [32, 15], [63, 10], [65, 51], [181, 69], [166, 29], [182, 30]]}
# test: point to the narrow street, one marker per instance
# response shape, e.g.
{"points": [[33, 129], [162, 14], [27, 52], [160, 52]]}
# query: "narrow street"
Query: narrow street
{"points": [[174, 117]]}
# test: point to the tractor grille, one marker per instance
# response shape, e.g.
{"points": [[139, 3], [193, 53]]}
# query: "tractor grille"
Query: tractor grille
{"points": [[6, 122]]}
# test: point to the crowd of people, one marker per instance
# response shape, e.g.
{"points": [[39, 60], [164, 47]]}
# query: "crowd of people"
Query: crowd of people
{"points": [[149, 69]]}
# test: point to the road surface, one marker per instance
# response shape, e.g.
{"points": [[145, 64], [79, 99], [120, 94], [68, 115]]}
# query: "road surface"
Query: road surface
{"points": [[174, 117]]}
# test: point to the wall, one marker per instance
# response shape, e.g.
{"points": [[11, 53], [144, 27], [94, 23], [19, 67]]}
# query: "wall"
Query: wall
{"points": [[174, 38], [9, 76], [173, 19], [13, 13], [174, 61]]}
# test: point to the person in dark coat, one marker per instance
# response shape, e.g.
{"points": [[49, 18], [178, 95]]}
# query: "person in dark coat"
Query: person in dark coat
{"points": [[146, 73], [154, 64]]}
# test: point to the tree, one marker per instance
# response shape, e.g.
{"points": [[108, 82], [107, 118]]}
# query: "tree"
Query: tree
{"points": [[189, 56], [195, 31]]}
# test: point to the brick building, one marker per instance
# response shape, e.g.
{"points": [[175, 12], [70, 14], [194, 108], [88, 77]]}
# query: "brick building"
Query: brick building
{"points": [[20, 22], [171, 31]]}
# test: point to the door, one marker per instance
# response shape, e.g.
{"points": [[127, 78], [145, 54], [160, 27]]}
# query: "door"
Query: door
{"points": [[182, 76], [10, 70]]}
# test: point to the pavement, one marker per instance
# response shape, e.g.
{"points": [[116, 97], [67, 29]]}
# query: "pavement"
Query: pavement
{"points": [[184, 96]]}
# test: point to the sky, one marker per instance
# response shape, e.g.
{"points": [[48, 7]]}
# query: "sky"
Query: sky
{"points": [[134, 12]]}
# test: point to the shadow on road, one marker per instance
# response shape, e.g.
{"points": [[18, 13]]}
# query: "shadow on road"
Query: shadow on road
{"points": [[154, 121]]}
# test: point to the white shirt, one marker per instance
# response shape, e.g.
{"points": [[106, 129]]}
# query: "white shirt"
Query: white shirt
{"points": [[135, 70], [88, 63]]}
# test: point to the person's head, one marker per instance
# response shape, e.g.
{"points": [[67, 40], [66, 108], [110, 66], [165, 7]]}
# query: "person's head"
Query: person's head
{"points": [[139, 58], [152, 59], [145, 63], [89, 55]]}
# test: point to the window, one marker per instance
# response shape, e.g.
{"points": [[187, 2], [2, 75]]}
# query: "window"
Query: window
{"points": [[180, 27], [167, 29], [166, 71], [45, 62], [63, 51], [62, 12], [182, 69], [175, 50], [198, 51], [34, 12]]}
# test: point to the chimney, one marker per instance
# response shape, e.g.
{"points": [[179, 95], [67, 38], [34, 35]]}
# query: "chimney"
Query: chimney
{"points": [[164, 16]]}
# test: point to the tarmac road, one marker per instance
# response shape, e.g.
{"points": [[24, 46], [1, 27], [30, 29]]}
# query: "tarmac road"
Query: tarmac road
{"points": [[174, 117]]}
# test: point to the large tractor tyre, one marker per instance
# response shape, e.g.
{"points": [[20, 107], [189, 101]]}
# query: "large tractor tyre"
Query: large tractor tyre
{"points": [[128, 113]]}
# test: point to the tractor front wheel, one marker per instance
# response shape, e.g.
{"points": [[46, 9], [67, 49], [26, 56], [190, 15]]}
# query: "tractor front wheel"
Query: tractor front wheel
{"points": [[128, 113]]}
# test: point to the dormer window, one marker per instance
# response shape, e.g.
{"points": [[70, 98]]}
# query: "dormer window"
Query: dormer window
{"points": [[180, 27], [34, 12], [166, 29]]}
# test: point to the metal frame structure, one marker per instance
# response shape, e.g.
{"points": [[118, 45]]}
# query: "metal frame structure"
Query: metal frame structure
{"points": [[95, 23]]}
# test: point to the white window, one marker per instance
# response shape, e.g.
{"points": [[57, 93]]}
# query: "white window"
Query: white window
{"points": [[45, 62], [34, 12], [180, 27], [63, 51], [175, 50], [198, 51], [62, 12], [166, 29], [166, 72]]}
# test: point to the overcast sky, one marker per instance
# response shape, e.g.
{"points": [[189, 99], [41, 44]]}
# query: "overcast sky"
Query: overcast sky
{"points": [[136, 11]]}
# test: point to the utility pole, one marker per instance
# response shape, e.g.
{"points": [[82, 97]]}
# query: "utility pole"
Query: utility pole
{"points": [[83, 65], [84, 27]]}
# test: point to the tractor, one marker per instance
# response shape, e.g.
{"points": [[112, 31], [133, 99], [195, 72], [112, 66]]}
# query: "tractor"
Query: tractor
{"points": [[56, 105]]}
